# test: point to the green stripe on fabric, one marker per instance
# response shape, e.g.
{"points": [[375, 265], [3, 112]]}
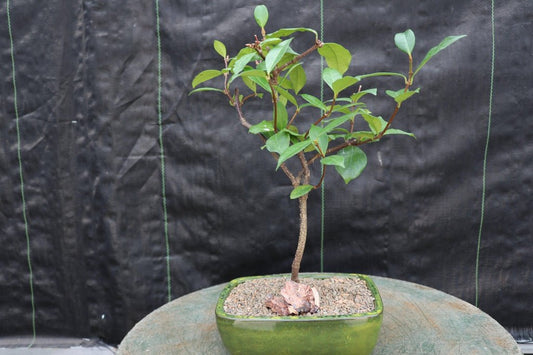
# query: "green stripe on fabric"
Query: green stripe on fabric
{"points": [[21, 174], [323, 188], [162, 151], [484, 179]]}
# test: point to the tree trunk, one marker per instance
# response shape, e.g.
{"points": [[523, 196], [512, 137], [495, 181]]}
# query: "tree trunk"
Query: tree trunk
{"points": [[301, 238]]}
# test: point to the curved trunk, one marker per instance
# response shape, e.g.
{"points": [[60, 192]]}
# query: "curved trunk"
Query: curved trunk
{"points": [[301, 238]]}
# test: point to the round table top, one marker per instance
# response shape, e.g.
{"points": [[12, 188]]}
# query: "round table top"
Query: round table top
{"points": [[416, 320]]}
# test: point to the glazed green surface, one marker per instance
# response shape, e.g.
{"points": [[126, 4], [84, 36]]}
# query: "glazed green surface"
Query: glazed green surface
{"points": [[351, 334]]}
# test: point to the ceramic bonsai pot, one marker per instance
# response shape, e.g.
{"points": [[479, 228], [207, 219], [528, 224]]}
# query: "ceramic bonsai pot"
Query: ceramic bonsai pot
{"points": [[346, 334]]}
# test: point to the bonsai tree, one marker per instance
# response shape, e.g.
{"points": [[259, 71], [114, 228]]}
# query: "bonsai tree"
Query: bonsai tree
{"points": [[303, 127]]}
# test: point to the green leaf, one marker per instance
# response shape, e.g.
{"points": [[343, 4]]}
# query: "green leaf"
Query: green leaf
{"points": [[445, 43], [399, 131], [343, 83], [291, 53], [338, 121], [278, 142], [261, 66], [301, 191], [253, 72], [240, 63], [337, 160], [205, 89], [204, 76], [274, 56], [330, 75], [261, 15], [220, 48], [270, 42], [287, 95], [405, 41], [376, 124], [401, 95], [298, 78], [293, 131], [250, 84], [320, 139], [339, 99], [360, 135], [262, 127], [247, 71], [261, 81], [283, 116], [346, 109], [337, 57], [355, 97], [284, 32], [242, 52], [361, 77], [315, 102], [394, 94], [354, 163], [285, 83], [292, 151]]}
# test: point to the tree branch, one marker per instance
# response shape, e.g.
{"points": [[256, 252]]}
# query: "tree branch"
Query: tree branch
{"points": [[378, 136], [238, 107], [296, 112], [305, 168], [296, 59], [257, 47], [325, 115], [245, 123], [355, 142], [321, 178], [275, 104]]}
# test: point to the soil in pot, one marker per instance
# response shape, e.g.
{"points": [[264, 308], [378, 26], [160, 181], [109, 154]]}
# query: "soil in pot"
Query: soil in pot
{"points": [[337, 296]]}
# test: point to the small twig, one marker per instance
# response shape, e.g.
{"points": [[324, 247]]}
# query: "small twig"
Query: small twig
{"points": [[226, 88], [252, 95], [382, 133], [378, 136], [410, 80], [238, 107], [257, 47], [245, 123], [293, 117], [324, 116], [321, 178], [275, 104], [353, 121], [354, 142], [296, 59], [289, 174], [327, 114], [305, 168]]}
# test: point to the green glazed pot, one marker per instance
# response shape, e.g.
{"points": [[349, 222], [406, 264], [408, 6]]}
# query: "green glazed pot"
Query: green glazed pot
{"points": [[347, 334]]}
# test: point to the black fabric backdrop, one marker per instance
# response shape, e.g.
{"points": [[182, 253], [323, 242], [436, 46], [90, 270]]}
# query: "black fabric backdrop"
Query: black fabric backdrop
{"points": [[87, 81]]}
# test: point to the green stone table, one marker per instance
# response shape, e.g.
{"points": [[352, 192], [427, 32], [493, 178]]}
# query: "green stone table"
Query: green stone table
{"points": [[417, 320]]}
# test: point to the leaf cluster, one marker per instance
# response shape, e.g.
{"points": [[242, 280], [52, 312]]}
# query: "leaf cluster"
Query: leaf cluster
{"points": [[301, 124]]}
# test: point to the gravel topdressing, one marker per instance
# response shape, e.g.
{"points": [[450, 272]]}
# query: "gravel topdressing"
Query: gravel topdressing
{"points": [[338, 296]]}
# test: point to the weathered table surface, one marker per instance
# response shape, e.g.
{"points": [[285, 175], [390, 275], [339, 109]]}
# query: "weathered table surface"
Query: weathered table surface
{"points": [[417, 320]]}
